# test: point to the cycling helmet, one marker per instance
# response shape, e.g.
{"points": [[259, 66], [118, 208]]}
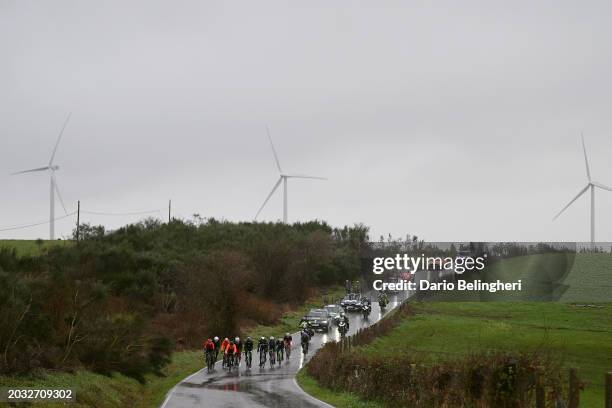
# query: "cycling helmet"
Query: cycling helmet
{"points": [[287, 334], [262, 338], [249, 338], [237, 339], [271, 337], [226, 339], [209, 340], [216, 338]]}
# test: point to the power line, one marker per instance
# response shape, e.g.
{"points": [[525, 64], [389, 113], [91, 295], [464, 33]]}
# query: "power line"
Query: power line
{"points": [[23, 226], [121, 214], [116, 214]]}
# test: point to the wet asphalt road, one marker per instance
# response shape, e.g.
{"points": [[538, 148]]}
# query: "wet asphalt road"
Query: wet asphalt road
{"points": [[268, 387]]}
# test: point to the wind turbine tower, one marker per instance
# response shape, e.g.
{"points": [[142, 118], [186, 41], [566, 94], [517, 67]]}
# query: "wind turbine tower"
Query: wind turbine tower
{"points": [[51, 168]]}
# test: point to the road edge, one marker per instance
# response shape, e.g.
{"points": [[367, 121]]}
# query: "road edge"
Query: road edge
{"points": [[307, 394]]}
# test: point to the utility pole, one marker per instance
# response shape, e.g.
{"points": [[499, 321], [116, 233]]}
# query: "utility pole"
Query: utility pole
{"points": [[169, 211], [78, 219]]}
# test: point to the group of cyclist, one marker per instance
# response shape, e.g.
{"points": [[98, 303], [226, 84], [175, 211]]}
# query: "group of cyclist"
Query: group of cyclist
{"points": [[275, 348], [232, 349]]}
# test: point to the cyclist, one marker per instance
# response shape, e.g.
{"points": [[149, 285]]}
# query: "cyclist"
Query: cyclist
{"points": [[230, 354], [248, 351], [280, 350], [224, 347], [209, 352], [305, 338], [272, 350], [239, 346], [287, 340], [217, 346], [262, 350]]}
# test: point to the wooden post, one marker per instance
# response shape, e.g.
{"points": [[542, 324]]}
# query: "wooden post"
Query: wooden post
{"points": [[574, 389], [539, 393], [169, 211], [609, 389], [78, 219]]}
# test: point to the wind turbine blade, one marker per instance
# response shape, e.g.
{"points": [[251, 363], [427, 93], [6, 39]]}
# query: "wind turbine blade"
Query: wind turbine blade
{"points": [[58, 139], [596, 184], [31, 170], [586, 160], [574, 199], [59, 195], [304, 176], [269, 195], [273, 150]]}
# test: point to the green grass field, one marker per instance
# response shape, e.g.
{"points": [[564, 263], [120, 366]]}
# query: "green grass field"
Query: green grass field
{"points": [[556, 277], [30, 246]]}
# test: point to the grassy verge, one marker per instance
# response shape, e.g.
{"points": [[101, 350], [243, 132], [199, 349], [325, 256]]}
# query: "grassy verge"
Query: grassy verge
{"points": [[337, 399], [95, 390]]}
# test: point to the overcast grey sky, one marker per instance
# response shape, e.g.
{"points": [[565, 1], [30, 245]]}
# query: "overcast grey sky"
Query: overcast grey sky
{"points": [[449, 120]]}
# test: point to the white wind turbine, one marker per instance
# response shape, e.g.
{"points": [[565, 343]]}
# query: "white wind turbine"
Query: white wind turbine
{"points": [[51, 168], [591, 184], [283, 178]]}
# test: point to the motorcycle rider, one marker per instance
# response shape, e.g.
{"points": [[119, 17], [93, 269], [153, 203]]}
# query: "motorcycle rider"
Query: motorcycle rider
{"points": [[367, 308], [383, 299], [344, 318]]}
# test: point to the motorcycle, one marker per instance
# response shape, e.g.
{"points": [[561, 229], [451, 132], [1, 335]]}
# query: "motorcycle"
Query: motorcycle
{"points": [[382, 302], [342, 328], [366, 311]]}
